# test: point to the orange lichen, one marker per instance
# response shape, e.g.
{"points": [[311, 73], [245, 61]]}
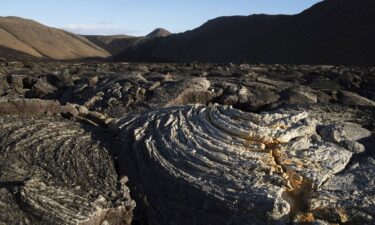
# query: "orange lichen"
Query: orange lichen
{"points": [[297, 187], [304, 218]]}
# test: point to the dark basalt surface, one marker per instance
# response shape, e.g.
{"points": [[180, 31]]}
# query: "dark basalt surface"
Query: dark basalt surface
{"points": [[189, 143]]}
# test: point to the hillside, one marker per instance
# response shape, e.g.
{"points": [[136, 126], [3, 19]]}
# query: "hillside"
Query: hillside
{"points": [[115, 44], [330, 32], [35, 39]]}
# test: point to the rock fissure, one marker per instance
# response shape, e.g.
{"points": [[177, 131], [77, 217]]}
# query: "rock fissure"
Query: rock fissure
{"points": [[297, 188]]}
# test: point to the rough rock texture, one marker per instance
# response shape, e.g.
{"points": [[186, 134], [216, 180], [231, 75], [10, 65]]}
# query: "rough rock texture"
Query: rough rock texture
{"points": [[219, 165], [29, 107], [349, 98], [54, 171], [348, 198], [119, 88], [182, 92], [56, 137]]}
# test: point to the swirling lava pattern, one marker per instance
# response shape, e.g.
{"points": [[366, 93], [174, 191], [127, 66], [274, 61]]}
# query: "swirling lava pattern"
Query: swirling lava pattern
{"points": [[216, 165], [59, 173]]}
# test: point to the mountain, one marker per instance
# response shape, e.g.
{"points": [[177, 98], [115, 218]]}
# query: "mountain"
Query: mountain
{"points": [[158, 32], [115, 44], [20, 37], [330, 32]]}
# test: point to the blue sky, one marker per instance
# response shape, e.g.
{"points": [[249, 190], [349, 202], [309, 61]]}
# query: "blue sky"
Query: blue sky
{"points": [[139, 17]]}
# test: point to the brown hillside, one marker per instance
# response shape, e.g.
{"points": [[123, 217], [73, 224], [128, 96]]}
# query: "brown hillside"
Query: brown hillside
{"points": [[37, 40]]}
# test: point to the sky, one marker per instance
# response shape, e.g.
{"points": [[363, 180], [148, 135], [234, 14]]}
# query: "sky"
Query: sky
{"points": [[139, 17]]}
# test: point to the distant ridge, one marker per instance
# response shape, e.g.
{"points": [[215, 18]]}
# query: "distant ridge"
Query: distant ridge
{"points": [[20, 37], [115, 44], [330, 32]]}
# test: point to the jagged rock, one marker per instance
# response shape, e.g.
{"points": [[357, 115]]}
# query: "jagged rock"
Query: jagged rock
{"points": [[41, 89], [16, 81], [124, 88], [182, 92], [222, 166], [245, 98], [350, 98], [38, 107], [57, 172], [4, 86], [243, 94], [299, 95], [353, 146], [28, 107], [349, 80], [260, 99], [324, 84], [281, 85], [93, 81], [66, 78], [349, 197], [229, 100], [347, 135], [154, 86], [323, 97], [345, 131], [160, 77]]}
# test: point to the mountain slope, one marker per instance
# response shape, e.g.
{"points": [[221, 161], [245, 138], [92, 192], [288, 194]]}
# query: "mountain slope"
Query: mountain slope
{"points": [[37, 40], [330, 32], [115, 44]]}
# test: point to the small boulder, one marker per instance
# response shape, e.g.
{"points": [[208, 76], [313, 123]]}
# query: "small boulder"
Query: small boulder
{"points": [[323, 97], [66, 78], [182, 92], [299, 95], [243, 94], [346, 131], [3, 86], [353, 146], [3, 61], [353, 99], [16, 80], [41, 89], [93, 81]]}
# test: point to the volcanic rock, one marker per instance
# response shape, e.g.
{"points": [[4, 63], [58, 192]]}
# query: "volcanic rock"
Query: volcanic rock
{"points": [[41, 89], [66, 158], [182, 92], [93, 81], [345, 131], [350, 98], [54, 171], [299, 95], [349, 196], [220, 165], [29, 107]]}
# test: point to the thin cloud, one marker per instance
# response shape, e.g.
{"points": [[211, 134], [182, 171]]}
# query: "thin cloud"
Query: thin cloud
{"points": [[101, 28]]}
